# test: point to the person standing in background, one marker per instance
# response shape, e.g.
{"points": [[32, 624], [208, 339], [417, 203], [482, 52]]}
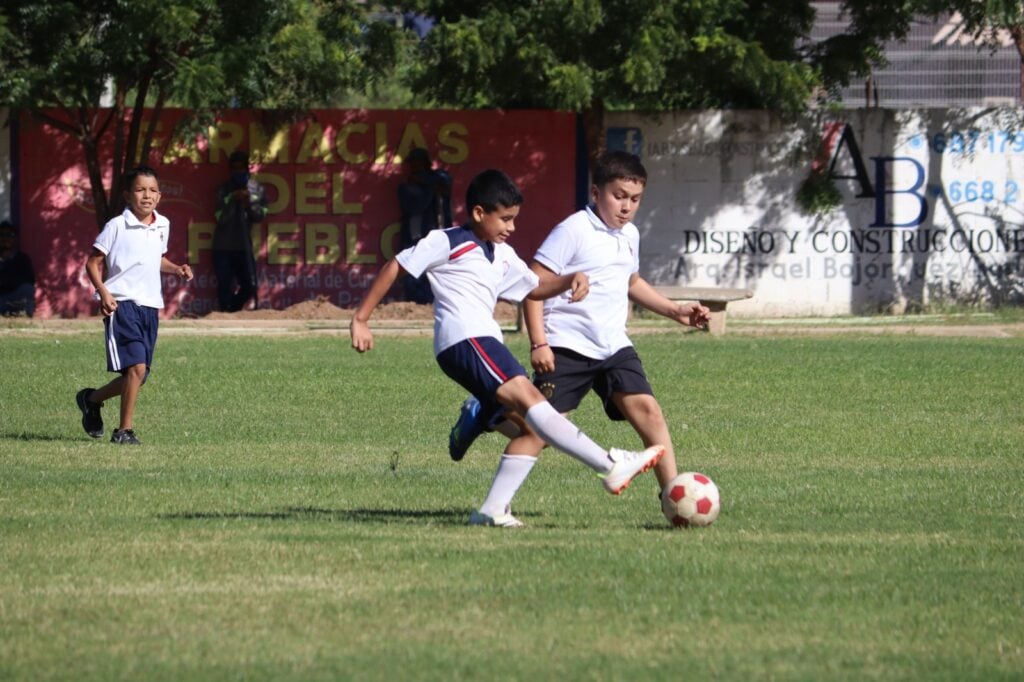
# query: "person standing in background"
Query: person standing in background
{"points": [[425, 200], [241, 203]]}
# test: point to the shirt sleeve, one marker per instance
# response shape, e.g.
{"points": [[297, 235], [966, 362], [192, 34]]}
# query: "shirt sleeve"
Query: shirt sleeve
{"points": [[105, 241], [557, 250], [427, 253], [519, 279]]}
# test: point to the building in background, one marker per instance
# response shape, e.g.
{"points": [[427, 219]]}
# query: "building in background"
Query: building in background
{"points": [[938, 65]]}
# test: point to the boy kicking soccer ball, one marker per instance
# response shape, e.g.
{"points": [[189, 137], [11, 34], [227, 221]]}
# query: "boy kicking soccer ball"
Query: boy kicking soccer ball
{"points": [[132, 246], [469, 267], [579, 346]]}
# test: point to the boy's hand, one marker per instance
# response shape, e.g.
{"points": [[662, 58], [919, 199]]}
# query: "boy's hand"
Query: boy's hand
{"points": [[696, 315], [542, 359], [692, 314], [185, 271], [107, 303], [362, 337], [580, 287]]}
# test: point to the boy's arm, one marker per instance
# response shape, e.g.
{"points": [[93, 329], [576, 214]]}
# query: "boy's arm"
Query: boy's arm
{"points": [[552, 284], [174, 269], [359, 328], [541, 356], [94, 268], [692, 314]]}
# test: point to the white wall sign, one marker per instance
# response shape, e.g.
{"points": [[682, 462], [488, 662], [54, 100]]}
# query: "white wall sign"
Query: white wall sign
{"points": [[931, 212]]}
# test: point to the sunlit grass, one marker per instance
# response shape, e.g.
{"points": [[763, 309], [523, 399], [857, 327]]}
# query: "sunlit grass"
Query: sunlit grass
{"points": [[293, 514]]}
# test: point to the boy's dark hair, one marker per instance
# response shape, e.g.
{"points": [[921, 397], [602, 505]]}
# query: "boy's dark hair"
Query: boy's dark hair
{"points": [[130, 175], [491, 189], [613, 166]]}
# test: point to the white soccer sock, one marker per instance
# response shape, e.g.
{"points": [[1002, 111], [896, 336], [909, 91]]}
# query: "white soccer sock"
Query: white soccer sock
{"points": [[558, 431], [512, 472]]}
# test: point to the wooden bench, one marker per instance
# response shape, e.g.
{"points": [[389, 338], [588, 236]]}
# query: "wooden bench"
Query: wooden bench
{"points": [[715, 299]]}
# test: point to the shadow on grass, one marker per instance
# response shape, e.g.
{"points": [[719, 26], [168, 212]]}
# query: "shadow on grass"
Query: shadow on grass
{"points": [[25, 436], [453, 517]]}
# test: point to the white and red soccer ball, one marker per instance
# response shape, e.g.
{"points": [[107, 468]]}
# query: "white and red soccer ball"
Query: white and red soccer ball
{"points": [[691, 499]]}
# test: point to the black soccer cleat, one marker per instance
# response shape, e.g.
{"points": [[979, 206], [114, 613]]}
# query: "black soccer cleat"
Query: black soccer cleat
{"points": [[92, 420], [125, 437]]}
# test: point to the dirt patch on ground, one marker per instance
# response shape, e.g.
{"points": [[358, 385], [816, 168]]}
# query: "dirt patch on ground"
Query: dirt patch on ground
{"points": [[321, 308], [321, 316]]}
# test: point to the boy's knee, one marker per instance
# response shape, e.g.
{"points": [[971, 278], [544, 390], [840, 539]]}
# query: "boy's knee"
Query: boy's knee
{"points": [[137, 373], [520, 394], [644, 407]]}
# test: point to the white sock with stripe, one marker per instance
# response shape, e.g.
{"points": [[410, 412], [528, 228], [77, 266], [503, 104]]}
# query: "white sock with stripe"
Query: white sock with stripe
{"points": [[558, 431], [512, 472]]}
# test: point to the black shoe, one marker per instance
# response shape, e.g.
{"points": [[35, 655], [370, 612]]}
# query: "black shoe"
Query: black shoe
{"points": [[92, 421], [126, 437]]}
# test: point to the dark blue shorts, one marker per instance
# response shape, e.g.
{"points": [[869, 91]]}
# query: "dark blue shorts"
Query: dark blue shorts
{"points": [[575, 375], [481, 365], [130, 334]]}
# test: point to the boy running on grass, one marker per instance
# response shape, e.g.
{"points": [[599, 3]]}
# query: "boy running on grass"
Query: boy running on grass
{"points": [[469, 267], [579, 346], [132, 246]]}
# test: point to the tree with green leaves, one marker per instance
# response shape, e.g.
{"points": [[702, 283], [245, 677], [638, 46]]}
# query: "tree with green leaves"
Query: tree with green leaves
{"points": [[663, 55], [60, 60], [589, 55]]}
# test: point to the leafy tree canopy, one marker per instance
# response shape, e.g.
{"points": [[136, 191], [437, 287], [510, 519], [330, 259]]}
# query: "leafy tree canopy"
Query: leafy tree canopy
{"points": [[644, 54], [199, 54]]}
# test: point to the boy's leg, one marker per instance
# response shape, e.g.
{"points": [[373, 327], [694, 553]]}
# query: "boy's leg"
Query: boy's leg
{"points": [[645, 416], [513, 468], [132, 381], [486, 368], [111, 389], [131, 338], [616, 467], [472, 422], [496, 509], [522, 396], [92, 416], [467, 429], [90, 400]]}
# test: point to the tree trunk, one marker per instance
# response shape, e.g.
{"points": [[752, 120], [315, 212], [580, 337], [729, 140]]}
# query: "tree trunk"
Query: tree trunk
{"points": [[99, 193], [593, 127]]}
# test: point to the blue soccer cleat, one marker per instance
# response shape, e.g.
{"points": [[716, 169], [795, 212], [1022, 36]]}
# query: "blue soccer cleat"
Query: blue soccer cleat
{"points": [[466, 430]]}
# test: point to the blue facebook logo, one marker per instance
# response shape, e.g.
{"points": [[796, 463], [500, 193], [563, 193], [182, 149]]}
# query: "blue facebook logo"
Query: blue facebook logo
{"points": [[625, 140]]}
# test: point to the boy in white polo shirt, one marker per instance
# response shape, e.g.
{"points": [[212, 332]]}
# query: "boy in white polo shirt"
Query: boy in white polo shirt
{"points": [[132, 246], [469, 267], [576, 347]]}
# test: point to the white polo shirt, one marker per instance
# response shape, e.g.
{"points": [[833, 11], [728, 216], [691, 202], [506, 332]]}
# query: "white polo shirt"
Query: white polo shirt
{"points": [[467, 276], [596, 326], [134, 252]]}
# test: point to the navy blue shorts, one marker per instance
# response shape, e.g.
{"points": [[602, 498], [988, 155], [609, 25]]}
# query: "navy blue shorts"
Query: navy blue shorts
{"points": [[577, 374], [130, 334], [481, 365]]}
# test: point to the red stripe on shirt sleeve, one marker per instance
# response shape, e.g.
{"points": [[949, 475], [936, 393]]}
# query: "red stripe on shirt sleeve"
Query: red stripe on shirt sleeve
{"points": [[464, 249]]}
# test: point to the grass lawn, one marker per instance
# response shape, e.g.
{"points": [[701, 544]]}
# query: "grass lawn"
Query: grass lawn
{"points": [[293, 514]]}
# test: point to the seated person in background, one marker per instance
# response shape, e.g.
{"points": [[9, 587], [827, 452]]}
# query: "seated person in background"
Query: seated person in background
{"points": [[17, 279]]}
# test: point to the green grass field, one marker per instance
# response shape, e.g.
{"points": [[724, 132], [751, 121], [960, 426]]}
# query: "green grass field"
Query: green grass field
{"points": [[293, 515]]}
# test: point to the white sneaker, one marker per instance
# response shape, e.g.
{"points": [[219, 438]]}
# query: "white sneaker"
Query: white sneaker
{"points": [[505, 520], [628, 465]]}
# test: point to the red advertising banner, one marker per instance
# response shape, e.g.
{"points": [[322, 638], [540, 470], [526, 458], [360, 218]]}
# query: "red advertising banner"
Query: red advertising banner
{"points": [[332, 182]]}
